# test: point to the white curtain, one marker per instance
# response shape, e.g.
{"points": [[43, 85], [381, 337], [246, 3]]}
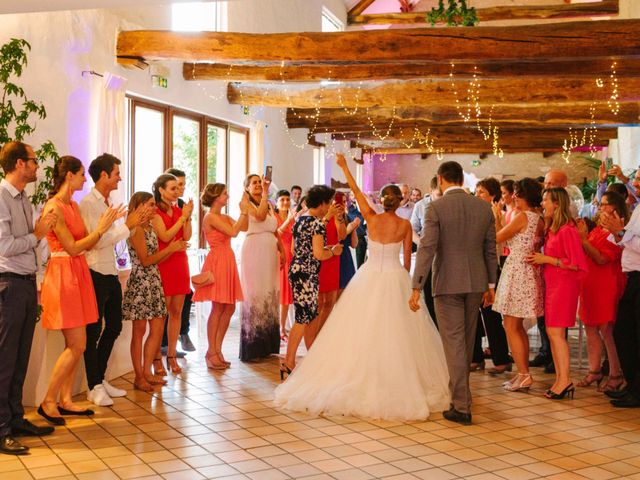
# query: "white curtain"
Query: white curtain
{"points": [[110, 115], [256, 154]]}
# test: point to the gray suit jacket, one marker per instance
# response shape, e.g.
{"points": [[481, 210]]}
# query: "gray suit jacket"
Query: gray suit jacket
{"points": [[459, 240]]}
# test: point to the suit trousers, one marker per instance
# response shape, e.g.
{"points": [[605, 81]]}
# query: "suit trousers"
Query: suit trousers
{"points": [[626, 333], [361, 250], [428, 299], [18, 313], [100, 342], [457, 322], [490, 324]]}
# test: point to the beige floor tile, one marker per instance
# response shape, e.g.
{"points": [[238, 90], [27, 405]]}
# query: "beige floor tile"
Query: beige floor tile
{"points": [[381, 470], [331, 465], [100, 475], [87, 466], [270, 474], [183, 475], [133, 471], [50, 471], [434, 474]]}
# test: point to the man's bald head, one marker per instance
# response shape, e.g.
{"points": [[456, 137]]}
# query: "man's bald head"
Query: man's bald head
{"points": [[556, 179]]}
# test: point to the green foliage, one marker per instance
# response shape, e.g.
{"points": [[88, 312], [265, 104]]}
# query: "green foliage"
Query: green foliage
{"points": [[16, 122], [456, 14]]}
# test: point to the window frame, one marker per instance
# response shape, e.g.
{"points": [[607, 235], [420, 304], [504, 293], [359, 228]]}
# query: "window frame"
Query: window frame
{"points": [[169, 112]]}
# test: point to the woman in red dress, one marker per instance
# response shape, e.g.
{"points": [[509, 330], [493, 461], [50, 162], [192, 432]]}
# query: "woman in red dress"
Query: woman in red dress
{"points": [[565, 266], [68, 299], [601, 291], [286, 218], [171, 224]]}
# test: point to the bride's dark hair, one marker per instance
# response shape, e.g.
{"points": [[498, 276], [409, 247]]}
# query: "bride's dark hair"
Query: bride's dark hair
{"points": [[390, 197]]}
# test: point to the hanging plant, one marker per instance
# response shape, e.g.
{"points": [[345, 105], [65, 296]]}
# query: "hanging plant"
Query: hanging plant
{"points": [[17, 112], [456, 14]]}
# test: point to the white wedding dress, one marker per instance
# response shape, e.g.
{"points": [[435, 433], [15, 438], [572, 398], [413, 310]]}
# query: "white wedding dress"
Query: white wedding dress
{"points": [[374, 357]]}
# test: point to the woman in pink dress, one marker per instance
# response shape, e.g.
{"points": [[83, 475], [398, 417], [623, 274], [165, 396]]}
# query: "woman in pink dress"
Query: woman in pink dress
{"points": [[172, 223], [601, 291], [225, 290], [286, 218], [68, 299], [565, 266]]}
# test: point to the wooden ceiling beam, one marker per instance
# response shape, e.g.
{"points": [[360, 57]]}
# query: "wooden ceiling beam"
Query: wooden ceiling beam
{"points": [[592, 39], [577, 68], [465, 132], [433, 93], [551, 115], [360, 7], [514, 12]]}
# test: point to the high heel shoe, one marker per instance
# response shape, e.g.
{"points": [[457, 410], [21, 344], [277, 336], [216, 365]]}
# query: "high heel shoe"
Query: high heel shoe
{"points": [[521, 383], [174, 369], [284, 370], [615, 386], [569, 391], [58, 421], [590, 378], [211, 364], [160, 371]]}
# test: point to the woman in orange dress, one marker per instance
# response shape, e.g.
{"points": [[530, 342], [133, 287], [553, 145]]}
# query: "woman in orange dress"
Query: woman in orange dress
{"points": [[225, 290], [286, 218], [171, 223], [67, 297]]}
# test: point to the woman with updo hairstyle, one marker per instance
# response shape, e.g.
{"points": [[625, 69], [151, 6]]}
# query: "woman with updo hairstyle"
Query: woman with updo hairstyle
{"points": [[286, 217], [172, 223], [310, 250], [143, 302], [520, 291], [564, 267], [601, 291], [261, 256], [224, 290], [68, 298], [375, 357]]}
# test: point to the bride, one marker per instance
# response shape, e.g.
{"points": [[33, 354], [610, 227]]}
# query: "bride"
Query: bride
{"points": [[374, 357]]}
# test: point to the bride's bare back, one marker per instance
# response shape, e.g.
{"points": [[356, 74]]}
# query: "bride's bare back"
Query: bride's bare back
{"points": [[386, 227]]}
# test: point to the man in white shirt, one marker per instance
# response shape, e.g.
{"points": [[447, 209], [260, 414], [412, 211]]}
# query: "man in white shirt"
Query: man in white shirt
{"points": [[626, 330], [105, 172], [406, 206]]}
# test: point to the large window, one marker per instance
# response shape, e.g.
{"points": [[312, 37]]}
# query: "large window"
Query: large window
{"points": [[206, 149], [318, 166]]}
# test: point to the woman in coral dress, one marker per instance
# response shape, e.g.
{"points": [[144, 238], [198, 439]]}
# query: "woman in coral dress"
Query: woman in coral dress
{"points": [[172, 223], [225, 289], [286, 219], [601, 291], [67, 297], [565, 266]]}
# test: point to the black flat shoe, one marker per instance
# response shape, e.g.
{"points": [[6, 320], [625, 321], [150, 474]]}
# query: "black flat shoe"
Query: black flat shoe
{"points": [[59, 421], [11, 446], [454, 415], [81, 413], [616, 394], [25, 428], [628, 401]]}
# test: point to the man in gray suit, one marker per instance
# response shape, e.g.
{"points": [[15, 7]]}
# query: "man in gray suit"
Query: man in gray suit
{"points": [[459, 240]]}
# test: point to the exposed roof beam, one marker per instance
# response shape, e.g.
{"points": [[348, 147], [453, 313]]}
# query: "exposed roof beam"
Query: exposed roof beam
{"points": [[575, 68], [551, 115], [432, 93], [360, 7], [515, 12], [467, 45]]}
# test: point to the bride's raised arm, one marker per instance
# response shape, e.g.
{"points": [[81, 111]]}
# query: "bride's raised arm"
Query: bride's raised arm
{"points": [[363, 203]]}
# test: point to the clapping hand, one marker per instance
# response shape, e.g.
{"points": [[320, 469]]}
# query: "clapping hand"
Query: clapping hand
{"points": [[582, 227], [178, 245], [611, 222], [140, 216], [187, 209], [496, 207], [244, 203], [44, 224], [110, 215]]}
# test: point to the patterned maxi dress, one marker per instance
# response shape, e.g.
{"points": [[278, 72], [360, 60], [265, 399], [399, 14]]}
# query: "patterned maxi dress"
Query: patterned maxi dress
{"points": [[260, 278]]}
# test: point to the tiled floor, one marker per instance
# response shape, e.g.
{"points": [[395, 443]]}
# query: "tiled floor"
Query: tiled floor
{"points": [[208, 424]]}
